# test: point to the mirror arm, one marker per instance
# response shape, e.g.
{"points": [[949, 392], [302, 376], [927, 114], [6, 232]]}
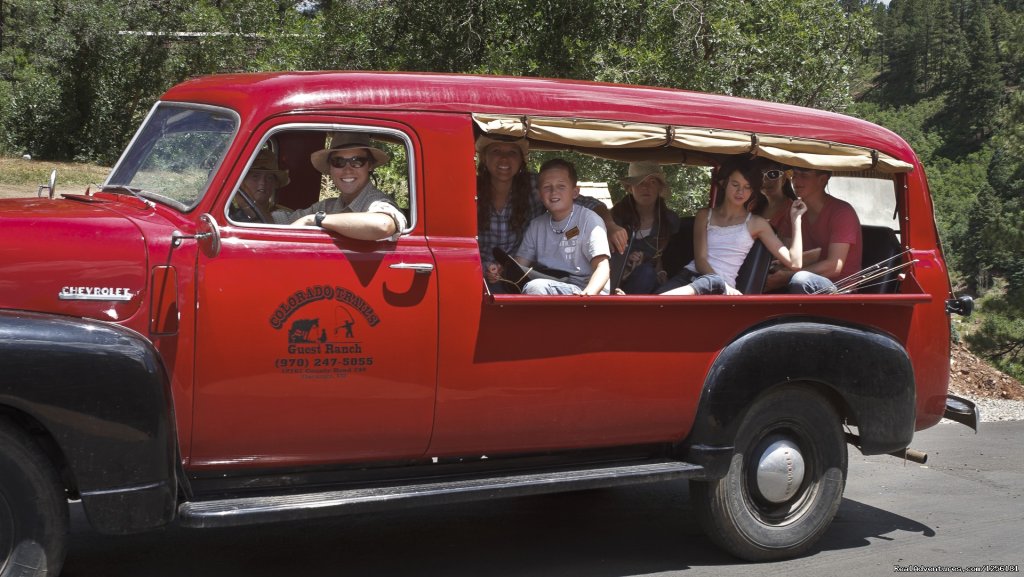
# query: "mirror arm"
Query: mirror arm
{"points": [[177, 237], [209, 238]]}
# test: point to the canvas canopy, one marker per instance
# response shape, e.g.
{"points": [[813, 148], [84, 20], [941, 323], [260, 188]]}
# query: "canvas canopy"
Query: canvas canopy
{"points": [[683, 144]]}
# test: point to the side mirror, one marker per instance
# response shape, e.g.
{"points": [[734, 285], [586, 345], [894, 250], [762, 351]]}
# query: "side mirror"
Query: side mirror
{"points": [[962, 306], [51, 187], [207, 236]]}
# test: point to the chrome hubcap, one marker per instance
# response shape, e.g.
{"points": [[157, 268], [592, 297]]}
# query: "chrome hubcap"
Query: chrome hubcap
{"points": [[780, 471]]}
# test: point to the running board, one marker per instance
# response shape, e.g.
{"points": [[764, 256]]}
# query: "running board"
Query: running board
{"points": [[252, 510]]}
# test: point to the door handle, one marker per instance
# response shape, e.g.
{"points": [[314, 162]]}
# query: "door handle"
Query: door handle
{"points": [[417, 267]]}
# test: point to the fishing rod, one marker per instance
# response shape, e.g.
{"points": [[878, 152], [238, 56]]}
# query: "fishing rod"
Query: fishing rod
{"points": [[862, 283], [857, 279]]}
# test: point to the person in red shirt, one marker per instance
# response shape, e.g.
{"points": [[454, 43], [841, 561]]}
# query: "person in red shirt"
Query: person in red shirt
{"points": [[831, 235]]}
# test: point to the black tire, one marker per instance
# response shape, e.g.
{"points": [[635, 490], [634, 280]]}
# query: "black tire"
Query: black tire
{"points": [[732, 510], [33, 508]]}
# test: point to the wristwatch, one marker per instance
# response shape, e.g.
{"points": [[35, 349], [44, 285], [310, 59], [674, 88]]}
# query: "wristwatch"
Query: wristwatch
{"points": [[318, 220]]}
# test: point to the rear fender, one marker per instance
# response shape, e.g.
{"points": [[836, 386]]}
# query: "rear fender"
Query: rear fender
{"points": [[867, 374]]}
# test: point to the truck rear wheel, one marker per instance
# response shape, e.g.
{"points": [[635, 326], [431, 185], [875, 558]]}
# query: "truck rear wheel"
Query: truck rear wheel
{"points": [[785, 481], [33, 508]]}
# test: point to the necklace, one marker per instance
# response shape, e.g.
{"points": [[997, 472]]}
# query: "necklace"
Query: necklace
{"points": [[568, 221]]}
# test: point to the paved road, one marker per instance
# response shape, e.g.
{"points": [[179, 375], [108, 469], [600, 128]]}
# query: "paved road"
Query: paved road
{"points": [[965, 507]]}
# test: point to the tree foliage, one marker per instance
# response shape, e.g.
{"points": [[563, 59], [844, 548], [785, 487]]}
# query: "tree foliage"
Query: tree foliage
{"points": [[77, 77], [948, 80]]}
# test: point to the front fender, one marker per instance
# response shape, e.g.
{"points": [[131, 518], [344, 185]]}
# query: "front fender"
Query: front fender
{"points": [[101, 392], [868, 371]]}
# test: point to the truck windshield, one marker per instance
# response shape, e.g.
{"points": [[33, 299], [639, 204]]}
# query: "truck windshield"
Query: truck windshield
{"points": [[175, 154]]}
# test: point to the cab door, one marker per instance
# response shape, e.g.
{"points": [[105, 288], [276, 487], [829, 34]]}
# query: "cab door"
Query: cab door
{"points": [[313, 348]]}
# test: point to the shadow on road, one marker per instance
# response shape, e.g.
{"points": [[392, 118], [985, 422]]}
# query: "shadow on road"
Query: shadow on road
{"points": [[857, 524]]}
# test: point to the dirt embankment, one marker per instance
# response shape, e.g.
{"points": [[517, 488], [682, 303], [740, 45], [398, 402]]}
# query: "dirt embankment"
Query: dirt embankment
{"points": [[970, 375]]}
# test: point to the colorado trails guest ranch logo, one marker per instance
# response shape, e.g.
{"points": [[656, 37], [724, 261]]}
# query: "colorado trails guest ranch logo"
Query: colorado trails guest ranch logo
{"points": [[323, 327]]}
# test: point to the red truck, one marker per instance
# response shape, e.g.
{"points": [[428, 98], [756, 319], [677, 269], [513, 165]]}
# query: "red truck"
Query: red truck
{"points": [[164, 363]]}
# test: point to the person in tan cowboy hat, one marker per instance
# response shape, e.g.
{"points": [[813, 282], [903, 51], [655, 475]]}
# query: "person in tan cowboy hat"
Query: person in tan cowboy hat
{"points": [[360, 210], [644, 213], [645, 170], [255, 200]]}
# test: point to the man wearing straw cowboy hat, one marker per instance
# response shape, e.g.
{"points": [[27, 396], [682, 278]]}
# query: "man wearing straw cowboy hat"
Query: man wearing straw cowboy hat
{"points": [[360, 210]]}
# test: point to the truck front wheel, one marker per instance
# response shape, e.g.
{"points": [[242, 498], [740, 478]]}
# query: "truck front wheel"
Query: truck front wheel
{"points": [[785, 480], [33, 508]]}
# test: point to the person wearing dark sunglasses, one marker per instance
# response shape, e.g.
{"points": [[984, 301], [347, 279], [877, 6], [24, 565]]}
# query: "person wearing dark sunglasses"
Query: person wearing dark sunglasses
{"points": [[776, 190], [360, 210]]}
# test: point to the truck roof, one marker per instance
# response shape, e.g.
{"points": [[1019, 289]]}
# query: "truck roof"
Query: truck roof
{"points": [[265, 94]]}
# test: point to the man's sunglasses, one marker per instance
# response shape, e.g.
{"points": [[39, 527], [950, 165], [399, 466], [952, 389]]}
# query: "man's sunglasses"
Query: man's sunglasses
{"points": [[354, 162]]}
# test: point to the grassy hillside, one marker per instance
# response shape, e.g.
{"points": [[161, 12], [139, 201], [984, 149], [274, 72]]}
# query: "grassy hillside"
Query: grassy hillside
{"points": [[19, 176]]}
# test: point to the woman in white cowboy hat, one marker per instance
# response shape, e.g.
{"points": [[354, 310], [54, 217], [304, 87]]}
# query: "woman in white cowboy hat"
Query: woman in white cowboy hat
{"points": [[360, 210], [650, 222], [256, 200], [504, 190]]}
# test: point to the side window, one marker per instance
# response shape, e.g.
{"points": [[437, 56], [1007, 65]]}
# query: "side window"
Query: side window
{"points": [[874, 198], [290, 175]]}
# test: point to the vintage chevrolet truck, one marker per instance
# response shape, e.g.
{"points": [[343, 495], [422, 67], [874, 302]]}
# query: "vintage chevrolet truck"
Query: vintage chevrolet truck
{"points": [[164, 363]]}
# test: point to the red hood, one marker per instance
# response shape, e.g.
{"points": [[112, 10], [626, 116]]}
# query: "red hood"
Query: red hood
{"points": [[73, 257]]}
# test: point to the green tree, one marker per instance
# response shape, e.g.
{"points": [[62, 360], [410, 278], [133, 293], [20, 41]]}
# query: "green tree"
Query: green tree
{"points": [[922, 46], [78, 82], [79, 76], [975, 90], [1007, 169], [1000, 336], [1007, 21], [352, 35]]}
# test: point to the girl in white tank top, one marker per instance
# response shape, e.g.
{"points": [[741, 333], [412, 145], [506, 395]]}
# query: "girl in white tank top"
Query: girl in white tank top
{"points": [[727, 248], [723, 236]]}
